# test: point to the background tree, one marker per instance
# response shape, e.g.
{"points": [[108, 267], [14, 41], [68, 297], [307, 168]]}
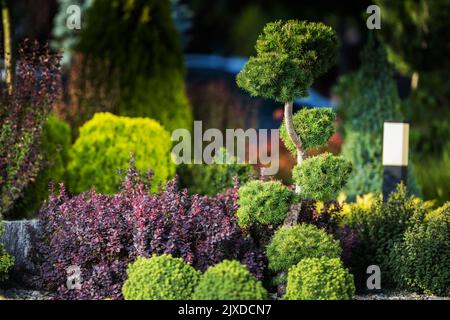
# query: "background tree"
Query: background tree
{"points": [[414, 32], [132, 58], [369, 97]]}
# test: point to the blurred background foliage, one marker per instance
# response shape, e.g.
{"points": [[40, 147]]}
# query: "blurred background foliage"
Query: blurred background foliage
{"points": [[128, 59]]}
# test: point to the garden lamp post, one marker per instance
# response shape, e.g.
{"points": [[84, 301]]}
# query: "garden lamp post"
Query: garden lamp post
{"points": [[395, 155]]}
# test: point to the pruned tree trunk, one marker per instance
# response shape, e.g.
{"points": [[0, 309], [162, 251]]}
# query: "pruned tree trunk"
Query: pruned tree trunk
{"points": [[7, 46], [296, 140]]}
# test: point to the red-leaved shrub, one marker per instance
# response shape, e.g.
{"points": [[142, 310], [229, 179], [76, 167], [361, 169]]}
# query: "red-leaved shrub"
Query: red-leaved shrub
{"points": [[23, 113], [101, 234]]}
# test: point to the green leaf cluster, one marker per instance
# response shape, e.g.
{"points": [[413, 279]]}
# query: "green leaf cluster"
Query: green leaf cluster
{"points": [[55, 144], [264, 202], [104, 146], [160, 278], [421, 260], [229, 280], [379, 225], [290, 55], [6, 260], [319, 279], [314, 127], [290, 245], [322, 177], [216, 177]]}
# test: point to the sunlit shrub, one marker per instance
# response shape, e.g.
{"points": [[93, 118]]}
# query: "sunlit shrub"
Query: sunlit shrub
{"points": [[104, 146]]}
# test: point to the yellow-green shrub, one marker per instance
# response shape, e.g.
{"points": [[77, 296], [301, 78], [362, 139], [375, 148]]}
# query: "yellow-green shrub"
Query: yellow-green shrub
{"points": [[290, 245], [319, 279], [104, 146], [160, 278], [229, 280]]}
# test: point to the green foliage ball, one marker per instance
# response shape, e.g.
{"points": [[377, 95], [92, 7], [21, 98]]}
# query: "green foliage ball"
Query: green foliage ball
{"points": [[229, 280], [160, 278], [214, 178], [6, 260], [319, 279], [55, 144], [290, 245], [314, 127], [264, 202], [421, 260], [290, 55], [322, 177], [104, 146]]}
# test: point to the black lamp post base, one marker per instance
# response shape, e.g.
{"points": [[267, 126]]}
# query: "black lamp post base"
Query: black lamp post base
{"points": [[392, 176]]}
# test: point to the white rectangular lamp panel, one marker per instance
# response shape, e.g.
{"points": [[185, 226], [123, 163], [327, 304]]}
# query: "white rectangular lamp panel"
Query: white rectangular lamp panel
{"points": [[395, 144]]}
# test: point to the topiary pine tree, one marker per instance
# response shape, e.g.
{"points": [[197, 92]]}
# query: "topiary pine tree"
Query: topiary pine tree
{"points": [[290, 55]]}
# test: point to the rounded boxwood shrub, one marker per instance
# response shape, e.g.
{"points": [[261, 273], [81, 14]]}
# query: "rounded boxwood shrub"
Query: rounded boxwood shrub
{"points": [[56, 140], [422, 260], [229, 280], [322, 177], [290, 245], [319, 279], [104, 146], [314, 126], [160, 278], [265, 202]]}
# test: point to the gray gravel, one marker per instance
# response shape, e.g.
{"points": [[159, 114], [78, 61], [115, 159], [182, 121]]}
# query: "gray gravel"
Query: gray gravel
{"points": [[21, 294], [398, 296]]}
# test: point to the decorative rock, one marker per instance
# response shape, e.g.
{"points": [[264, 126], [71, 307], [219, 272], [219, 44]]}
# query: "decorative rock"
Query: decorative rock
{"points": [[16, 241]]}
